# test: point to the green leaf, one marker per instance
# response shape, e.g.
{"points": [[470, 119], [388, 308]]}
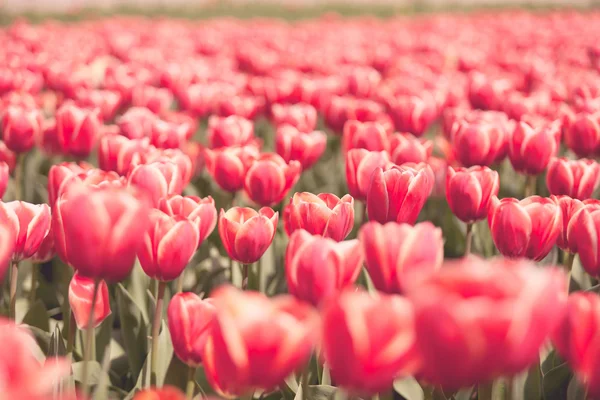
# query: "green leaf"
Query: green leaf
{"points": [[103, 337], [409, 388], [42, 338], [576, 390], [133, 330], [95, 373], [101, 392], [37, 316], [464, 394], [57, 344], [556, 382], [533, 383], [318, 392], [165, 352], [177, 373]]}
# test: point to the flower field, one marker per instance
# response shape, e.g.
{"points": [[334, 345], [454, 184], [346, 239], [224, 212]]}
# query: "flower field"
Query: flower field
{"points": [[332, 208]]}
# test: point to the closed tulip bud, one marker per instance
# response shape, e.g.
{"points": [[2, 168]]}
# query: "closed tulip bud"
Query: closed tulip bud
{"points": [[157, 180], [169, 244], [399, 192], [324, 214], [294, 145], [81, 293], [369, 340], [577, 342], [157, 100], [201, 211], [270, 178], [582, 134], [481, 142], [582, 236], [228, 166], [301, 116], [371, 136], [469, 192], [230, 131], [317, 268], [568, 208], [77, 129], [237, 350], [473, 311], [406, 148], [20, 127], [31, 224], [413, 114], [527, 228], [108, 251], [61, 173], [164, 393], [399, 253], [530, 149], [4, 178], [136, 122], [190, 321], [360, 165], [575, 178]]}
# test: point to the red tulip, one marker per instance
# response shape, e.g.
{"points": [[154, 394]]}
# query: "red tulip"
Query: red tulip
{"points": [[582, 133], [577, 342], [190, 321], [575, 178], [117, 153], [7, 241], [469, 192], [119, 220], [228, 166], [4, 177], [294, 145], [168, 135], [369, 340], [200, 211], [157, 100], [406, 148], [240, 356], [473, 311], [136, 123], [530, 149], [81, 293], [372, 136], [399, 253], [31, 224], [360, 166], [301, 116], [247, 234], [108, 101], [46, 250], [582, 236], [77, 129], [20, 127], [169, 245], [230, 131], [399, 192], [480, 143], [164, 393], [568, 208], [270, 178], [182, 160], [157, 179], [317, 268], [527, 228], [246, 106], [59, 173], [413, 114], [323, 214]]}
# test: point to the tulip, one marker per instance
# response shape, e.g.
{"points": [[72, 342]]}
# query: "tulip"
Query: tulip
{"points": [[230, 131], [317, 268], [46, 250], [4, 178], [481, 142], [582, 133], [81, 296], [157, 100], [246, 234], [530, 149], [61, 173], [369, 341], [7, 243], [168, 135], [372, 136], [405, 148], [238, 357], [169, 244], [568, 208], [294, 145], [323, 214], [177, 156], [246, 106], [413, 114], [108, 101], [228, 166], [575, 178], [301, 116], [582, 236], [527, 228], [200, 211], [473, 311], [136, 123], [157, 179], [577, 342], [469, 192], [7, 156], [31, 224], [117, 153], [270, 178], [190, 321], [20, 127], [77, 129], [399, 253], [399, 192], [360, 166], [164, 393]]}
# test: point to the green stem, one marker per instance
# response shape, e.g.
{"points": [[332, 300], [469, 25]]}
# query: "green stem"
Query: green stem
{"points": [[530, 185], [469, 238], [160, 295], [363, 215], [180, 282], [71, 335], [89, 338], [259, 268], [386, 395], [569, 258], [191, 383], [19, 176], [509, 389], [484, 391], [14, 277], [245, 269], [304, 384], [34, 275]]}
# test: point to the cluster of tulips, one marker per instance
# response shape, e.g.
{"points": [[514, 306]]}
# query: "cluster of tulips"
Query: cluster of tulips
{"points": [[150, 162]]}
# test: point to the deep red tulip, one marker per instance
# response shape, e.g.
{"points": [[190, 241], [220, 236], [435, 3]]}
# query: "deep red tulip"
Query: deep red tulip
{"points": [[372, 136], [20, 127], [190, 321], [317, 268], [164, 393], [577, 342], [31, 225], [469, 192], [238, 357], [230, 131], [399, 253], [270, 178], [301, 116], [360, 165], [582, 133], [481, 142], [526, 228], [59, 174], [530, 149], [413, 114], [136, 122], [575, 178], [568, 208], [473, 311], [201, 211], [108, 250], [582, 236], [157, 100], [406, 148], [398, 193], [323, 214], [228, 166], [169, 244], [81, 293], [157, 179], [77, 129], [294, 145], [246, 234], [369, 340], [4, 177]]}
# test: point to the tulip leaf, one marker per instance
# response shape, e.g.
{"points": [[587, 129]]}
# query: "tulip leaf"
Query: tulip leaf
{"points": [[576, 390], [318, 392], [37, 316], [464, 394], [103, 337], [177, 373], [555, 383], [165, 352], [202, 381], [409, 388], [532, 389], [57, 344], [95, 373], [133, 329]]}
